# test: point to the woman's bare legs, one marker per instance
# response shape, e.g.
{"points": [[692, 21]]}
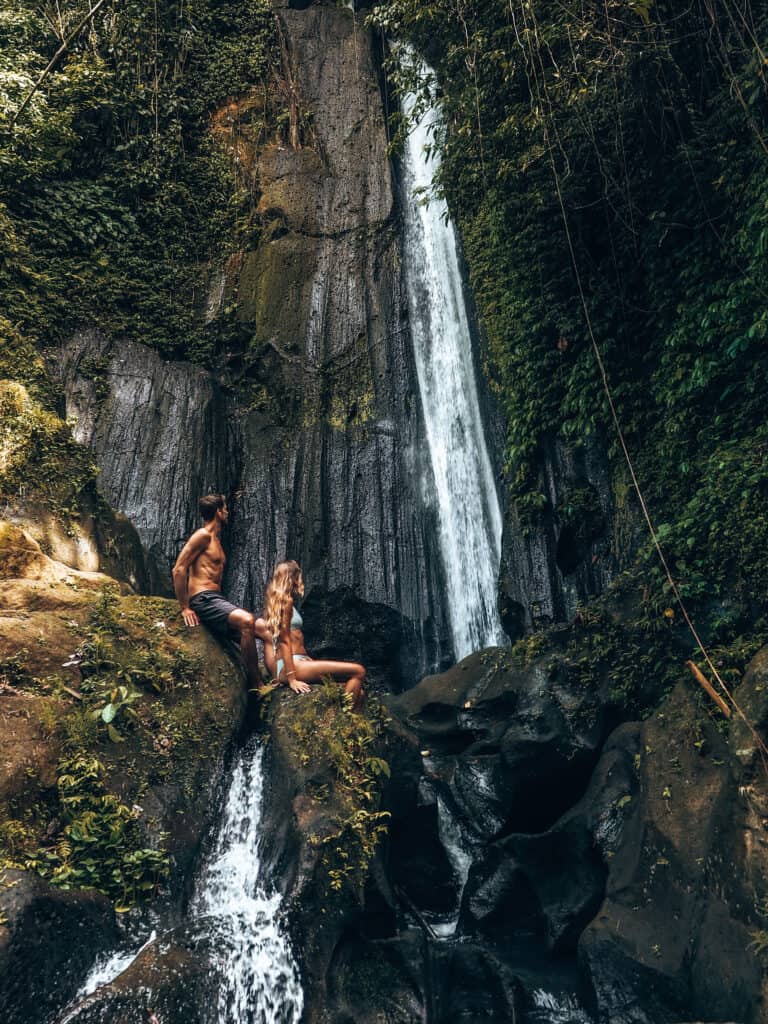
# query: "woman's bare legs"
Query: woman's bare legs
{"points": [[350, 672]]}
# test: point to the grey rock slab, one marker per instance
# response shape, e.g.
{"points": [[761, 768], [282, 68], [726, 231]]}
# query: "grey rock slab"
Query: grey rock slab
{"points": [[161, 437]]}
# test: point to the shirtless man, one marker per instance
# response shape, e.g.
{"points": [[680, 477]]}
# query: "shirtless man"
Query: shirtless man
{"points": [[197, 582]]}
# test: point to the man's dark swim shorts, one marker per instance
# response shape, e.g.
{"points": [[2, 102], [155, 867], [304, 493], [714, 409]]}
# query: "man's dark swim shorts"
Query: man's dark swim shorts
{"points": [[213, 610]]}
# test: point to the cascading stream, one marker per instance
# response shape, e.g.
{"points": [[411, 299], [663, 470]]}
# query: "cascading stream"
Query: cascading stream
{"points": [[236, 916], [468, 507], [469, 517], [259, 978]]}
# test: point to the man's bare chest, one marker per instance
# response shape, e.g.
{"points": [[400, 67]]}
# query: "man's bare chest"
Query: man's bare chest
{"points": [[212, 560]]}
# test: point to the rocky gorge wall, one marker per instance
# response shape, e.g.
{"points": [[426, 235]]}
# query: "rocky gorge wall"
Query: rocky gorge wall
{"points": [[311, 424], [551, 858]]}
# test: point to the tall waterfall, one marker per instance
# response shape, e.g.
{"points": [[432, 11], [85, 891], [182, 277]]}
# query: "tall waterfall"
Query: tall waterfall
{"points": [[236, 916], [467, 503]]}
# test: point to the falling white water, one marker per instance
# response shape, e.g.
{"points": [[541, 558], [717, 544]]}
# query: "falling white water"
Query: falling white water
{"points": [[468, 506], [460, 857], [562, 1009], [108, 967], [236, 915], [259, 977]]}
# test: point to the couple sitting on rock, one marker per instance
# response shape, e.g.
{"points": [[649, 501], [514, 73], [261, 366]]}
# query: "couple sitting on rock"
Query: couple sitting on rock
{"points": [[197, 582]]}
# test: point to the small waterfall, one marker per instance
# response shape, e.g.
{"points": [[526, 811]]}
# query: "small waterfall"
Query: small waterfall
{"points": [[468, 506], [235, 915], [557, 1009], [259, 977], [460, 857], [107, 968]]}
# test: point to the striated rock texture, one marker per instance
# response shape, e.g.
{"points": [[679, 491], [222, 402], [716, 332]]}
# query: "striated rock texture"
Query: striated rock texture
{"points": [[313, 425], [160, 434], [574, 551]]}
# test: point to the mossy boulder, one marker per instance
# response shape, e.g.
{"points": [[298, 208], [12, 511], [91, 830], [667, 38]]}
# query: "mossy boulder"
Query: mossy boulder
{"points": [[38, 455], [115, 722], [328, 769], [674, 937]]}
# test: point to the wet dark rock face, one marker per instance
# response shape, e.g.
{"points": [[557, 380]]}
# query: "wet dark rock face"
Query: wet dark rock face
{"points": [[339, 626], [610, 874], [171, 980], [162, 438], [571, 555], [34, 977]]}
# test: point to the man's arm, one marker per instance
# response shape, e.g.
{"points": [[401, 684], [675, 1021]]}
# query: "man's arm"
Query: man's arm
{"points": [[194, 547]]}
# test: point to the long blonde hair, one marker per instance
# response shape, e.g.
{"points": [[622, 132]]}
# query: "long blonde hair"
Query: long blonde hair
{"points": [[286, 582]]}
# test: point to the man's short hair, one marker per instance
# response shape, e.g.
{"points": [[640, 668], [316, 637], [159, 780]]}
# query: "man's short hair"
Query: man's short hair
{"points": [[210, 504]]}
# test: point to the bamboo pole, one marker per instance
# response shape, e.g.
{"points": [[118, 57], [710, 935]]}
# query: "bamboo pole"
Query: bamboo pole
{"points": [[55, 60], [705, 684]]}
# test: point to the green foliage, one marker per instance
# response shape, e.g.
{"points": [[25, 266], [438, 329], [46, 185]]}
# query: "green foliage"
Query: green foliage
{"points": [[20, 360], [116, 190], [650, 122], [39, 457], [13, 669], [580, 511], [140, 702], [326, 731], [95, 370], [633, 657], [79, 730], [116, 701], [118, 668], [759, 943], [97, 845]]}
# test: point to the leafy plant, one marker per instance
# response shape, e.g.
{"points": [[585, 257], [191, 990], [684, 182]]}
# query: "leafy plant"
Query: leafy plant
{"points": [[325, 730], [117, 701], [13, 669], [117, 190], [97, 844]]}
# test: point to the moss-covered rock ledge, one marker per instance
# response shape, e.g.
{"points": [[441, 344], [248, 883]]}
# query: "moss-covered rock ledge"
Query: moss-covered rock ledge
{"points": [[114, 724], [329, 772], [323, 824]]}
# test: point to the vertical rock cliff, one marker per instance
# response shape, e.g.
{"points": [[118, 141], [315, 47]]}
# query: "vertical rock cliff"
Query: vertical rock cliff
{"points": [[312, 422]]}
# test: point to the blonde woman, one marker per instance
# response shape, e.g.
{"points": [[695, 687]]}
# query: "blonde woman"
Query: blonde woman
{"points": [[294, 666]]}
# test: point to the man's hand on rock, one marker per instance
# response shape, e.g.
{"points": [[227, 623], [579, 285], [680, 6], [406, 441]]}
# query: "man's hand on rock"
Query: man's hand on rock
{"points": [[189, 617]]}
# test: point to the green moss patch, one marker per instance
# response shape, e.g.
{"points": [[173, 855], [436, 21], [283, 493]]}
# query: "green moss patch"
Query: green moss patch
{"points": [[337, 755], [39, 458], [133, 708]]}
